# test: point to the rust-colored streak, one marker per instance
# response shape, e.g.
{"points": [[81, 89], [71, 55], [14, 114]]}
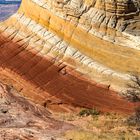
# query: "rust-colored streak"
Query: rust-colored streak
{"points": [[68, 88]]}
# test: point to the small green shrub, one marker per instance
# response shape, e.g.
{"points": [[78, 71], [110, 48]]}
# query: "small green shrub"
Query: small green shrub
{"points": [[88, 112]]}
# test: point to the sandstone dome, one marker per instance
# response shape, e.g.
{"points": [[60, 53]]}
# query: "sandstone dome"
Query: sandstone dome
{"points": [[72, 52]]}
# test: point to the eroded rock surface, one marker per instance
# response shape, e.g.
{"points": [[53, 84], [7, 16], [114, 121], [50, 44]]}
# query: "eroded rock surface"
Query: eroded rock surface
{"points": [[72, 52], [23, 120]]}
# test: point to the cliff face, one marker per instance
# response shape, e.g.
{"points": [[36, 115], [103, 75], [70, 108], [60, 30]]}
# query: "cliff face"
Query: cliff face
{"points": [[69, 49]]}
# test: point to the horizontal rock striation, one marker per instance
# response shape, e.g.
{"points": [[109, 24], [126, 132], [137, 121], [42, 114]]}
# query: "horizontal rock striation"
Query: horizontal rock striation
{"points": [[61, 52]]}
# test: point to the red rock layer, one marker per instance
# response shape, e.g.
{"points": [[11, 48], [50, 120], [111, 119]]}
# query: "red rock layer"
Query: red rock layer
{"points": [[49, 83]]}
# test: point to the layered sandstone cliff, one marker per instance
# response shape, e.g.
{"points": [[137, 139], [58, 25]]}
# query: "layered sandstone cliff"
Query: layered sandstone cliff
{"points": [[68, 49]]}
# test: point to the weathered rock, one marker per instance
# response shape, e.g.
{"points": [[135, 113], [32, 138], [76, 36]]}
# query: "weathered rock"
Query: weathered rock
{"points": [[22, 119], [60, 47]]}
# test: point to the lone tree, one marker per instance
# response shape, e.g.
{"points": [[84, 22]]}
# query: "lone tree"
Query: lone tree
{"points": [[133, 95], [134, 120], [133, 92]]}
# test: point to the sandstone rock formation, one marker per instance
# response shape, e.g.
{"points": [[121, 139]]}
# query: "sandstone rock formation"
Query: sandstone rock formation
{"points": [[72, 51], [23, 120]]}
